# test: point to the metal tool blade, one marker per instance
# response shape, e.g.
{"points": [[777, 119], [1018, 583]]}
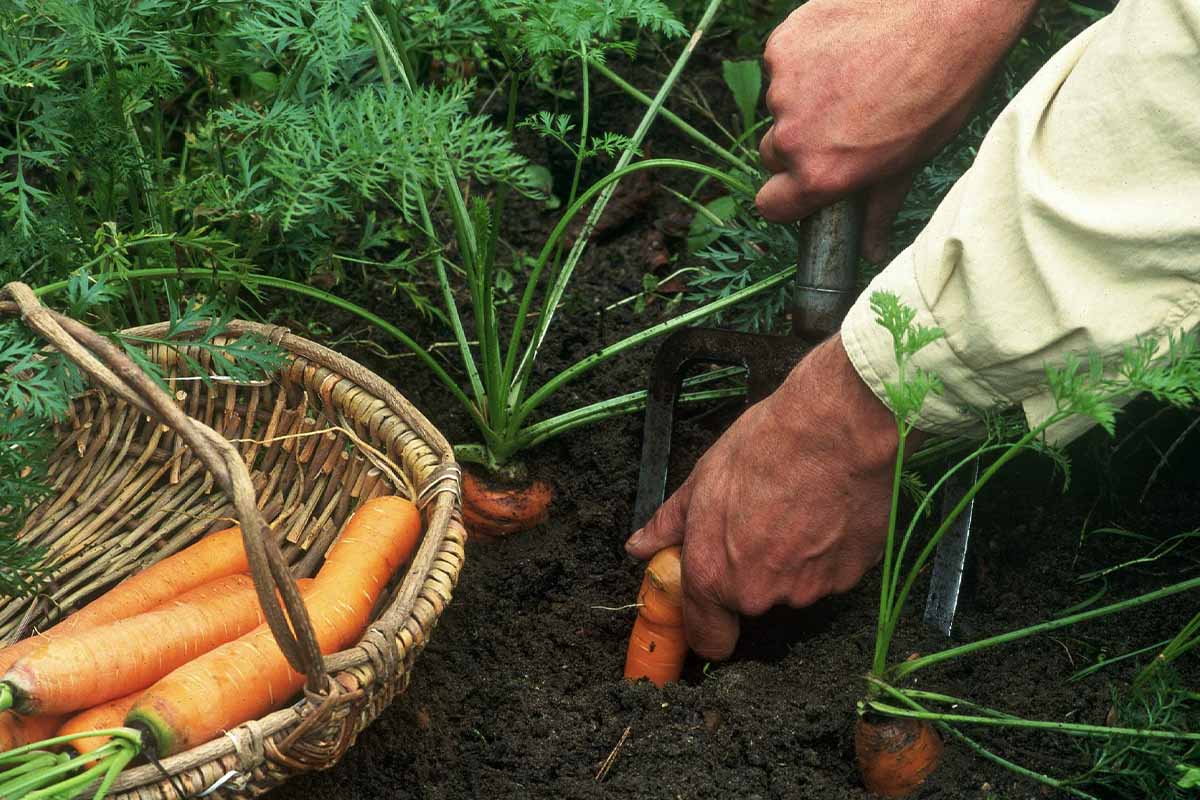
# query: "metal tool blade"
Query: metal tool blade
{"points": [[826, 281], [950, 560], [767, 360]]}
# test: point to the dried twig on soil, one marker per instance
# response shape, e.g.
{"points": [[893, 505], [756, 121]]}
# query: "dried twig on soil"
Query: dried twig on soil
{"points": [[602, 773]]}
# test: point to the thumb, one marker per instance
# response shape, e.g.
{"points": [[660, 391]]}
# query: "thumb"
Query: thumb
{"points": [[665, 528], [884, 201]]}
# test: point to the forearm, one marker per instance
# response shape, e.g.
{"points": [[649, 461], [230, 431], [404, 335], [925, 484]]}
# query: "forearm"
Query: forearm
{"points": [[1075, 231]]}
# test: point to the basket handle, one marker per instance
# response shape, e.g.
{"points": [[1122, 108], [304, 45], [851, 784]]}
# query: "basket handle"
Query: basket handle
{"points": [[109, 367]]}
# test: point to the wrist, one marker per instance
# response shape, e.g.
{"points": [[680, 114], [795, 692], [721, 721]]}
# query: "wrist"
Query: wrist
{"points": [[824, 396]]}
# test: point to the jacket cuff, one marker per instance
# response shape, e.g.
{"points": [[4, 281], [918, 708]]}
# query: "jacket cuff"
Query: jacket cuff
{"points": [[870, 349]]}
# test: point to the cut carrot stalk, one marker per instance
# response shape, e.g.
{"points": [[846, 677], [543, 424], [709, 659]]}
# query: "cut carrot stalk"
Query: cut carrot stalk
{"points": [[492, 509], [895, 756], [215, 556], [16, 730], [658, 644], [89, 667], [106, 715], [246, 678]]}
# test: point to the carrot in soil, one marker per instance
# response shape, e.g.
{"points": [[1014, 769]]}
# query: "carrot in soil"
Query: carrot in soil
{"points": [[492, 508], [215, 556], [246, 678], [106, 715], [658, 644], [895, 756], [89, 667]]}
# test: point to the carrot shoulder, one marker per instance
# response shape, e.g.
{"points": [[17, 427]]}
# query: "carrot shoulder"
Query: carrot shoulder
{"points": [[215, 556], [89, 667], [248, 677], [658, 644]]}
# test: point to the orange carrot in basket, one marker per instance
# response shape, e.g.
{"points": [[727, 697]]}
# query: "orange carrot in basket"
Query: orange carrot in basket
{"points": [[89, 667], [658, 644], [215, 556], [98, 718], [246, 678], [16, 730]]}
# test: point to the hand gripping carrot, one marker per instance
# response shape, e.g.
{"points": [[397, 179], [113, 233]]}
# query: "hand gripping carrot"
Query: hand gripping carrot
{"points": [[658, 644], [215, 556], [83, 669], [246, 678]]}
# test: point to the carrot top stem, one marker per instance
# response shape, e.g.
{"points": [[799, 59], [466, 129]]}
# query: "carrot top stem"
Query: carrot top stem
{"points": [[6, 697], [48, 775]]}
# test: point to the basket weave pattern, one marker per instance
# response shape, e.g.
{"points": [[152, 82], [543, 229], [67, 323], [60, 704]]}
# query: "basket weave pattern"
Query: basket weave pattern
{"points": [[133, 483]]}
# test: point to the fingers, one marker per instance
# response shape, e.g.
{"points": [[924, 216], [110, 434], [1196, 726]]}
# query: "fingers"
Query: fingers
{"points": [[783, 199], [712, 629], [883, 203], [768, 152], [664, 529]]}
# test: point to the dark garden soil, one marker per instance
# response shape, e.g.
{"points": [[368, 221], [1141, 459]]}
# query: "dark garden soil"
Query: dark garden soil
{"points": [[520, 693]]}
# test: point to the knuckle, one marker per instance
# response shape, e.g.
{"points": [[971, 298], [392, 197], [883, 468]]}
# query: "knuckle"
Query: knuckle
{"points": [[804, 596], [827, 173], [756, 603]]}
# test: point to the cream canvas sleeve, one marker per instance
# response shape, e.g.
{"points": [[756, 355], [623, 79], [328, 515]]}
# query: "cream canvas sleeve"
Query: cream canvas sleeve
{"points": [[1077, 228]]}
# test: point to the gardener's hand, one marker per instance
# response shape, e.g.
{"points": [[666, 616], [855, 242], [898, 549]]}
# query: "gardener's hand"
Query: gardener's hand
{"points": [[863, 92], [788, 506]]}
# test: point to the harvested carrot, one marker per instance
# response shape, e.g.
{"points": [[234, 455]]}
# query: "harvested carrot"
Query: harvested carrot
{"points": [[492, 508], [658, 644], [106, 715], [895, 756], [16, 730], [215, 556], [83, 669], [248, 677]]}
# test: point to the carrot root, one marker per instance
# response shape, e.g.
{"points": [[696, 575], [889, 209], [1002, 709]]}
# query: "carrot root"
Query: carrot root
{"points": [[217, 555], [89, 667], [658, 644], [895, 756], [247, 677], [492, 509]]}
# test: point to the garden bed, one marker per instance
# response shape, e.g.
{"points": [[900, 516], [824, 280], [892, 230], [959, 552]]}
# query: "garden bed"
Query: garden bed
{"points": [[520, 692]]}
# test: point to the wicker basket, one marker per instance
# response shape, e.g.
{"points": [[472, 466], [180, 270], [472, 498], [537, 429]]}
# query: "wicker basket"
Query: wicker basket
{"points": [[138, 475]]}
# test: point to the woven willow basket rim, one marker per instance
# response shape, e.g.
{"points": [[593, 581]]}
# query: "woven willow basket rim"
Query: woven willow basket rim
{"points": [[394, 637]]}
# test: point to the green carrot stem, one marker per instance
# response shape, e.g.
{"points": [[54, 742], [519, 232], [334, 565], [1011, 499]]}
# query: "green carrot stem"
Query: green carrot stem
{"points": [[908, 667], [512, 371], [114, 771], [308, 291], [71, 786], [589, 362], [882, 640], [1025, 772], [19, 787], [554, 295], [598, 412], [687, 130], [38, 760], [1069, 728], [980, 749]]}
